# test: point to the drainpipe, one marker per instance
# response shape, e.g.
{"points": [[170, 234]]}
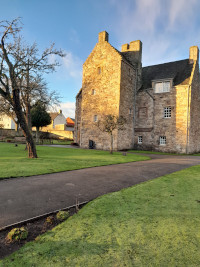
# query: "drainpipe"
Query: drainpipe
{"points": [[153, 98]]}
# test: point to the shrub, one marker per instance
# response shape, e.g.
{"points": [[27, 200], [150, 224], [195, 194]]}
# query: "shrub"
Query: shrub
{"points": [[45, 135], [62, 215], [49, 220], [17, 234]]}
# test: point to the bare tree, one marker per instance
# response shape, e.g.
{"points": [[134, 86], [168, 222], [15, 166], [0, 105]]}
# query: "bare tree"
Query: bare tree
{"points": [[20, 67], [109, 123]]}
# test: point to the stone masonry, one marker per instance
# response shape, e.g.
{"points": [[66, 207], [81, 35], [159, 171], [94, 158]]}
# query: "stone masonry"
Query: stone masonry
{"points": [[160, 103]]}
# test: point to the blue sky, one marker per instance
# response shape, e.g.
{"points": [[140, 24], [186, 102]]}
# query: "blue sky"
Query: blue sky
{"points": [[167, 29]]}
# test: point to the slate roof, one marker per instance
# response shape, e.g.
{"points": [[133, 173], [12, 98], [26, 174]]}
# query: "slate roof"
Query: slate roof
{"points": [[179, 71], [53, 115]]}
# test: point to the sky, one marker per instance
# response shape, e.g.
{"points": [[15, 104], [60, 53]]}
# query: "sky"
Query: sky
{"points": [[167, 28]]}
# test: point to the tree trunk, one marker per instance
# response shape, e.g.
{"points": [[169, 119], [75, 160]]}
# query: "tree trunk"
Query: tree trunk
{"points": [[28, 115], [37, 134], [22, 121], [111, 143]]}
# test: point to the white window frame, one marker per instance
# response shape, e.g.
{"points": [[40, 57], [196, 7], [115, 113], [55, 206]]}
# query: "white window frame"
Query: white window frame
{"points": [[162, 86], [140, 139], [162, 140], [167, 112], [95, 118]]}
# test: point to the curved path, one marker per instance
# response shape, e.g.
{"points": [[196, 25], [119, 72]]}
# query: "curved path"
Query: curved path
{"points": [[24, 198]]}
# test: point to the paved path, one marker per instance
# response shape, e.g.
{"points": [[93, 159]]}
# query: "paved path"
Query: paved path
{"points": [[24, 198]]}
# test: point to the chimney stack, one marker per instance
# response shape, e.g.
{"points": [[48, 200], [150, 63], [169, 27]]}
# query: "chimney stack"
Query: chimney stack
{"points": [[103, 37], [194, 54]]}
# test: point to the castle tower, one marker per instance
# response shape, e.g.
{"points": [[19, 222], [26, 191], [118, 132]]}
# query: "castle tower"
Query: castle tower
{"points": [[133, 53]]}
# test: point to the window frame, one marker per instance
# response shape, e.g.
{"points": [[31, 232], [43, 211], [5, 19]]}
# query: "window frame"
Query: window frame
{"points": [[162, 140], [163, 81], [167, 112], [140, 139], [95, 118]]}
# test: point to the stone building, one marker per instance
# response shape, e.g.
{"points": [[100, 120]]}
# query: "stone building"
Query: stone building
{"points": [[161, 103]]}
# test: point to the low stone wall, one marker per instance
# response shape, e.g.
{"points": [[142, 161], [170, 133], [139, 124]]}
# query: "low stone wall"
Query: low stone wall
{"points": [[10, 133]]}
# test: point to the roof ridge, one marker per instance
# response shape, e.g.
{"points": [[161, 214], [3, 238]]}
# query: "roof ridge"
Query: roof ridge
{"points": [[166, 63]]}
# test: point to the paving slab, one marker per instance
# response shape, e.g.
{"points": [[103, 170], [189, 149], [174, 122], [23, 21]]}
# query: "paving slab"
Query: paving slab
{"points": [[27, 197]]}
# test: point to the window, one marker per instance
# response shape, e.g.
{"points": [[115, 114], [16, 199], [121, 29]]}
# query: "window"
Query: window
{"points": [[139, 139], [130, 111], [93, 92], [162, 140], [162, 87], [99, 70], [167, 112], [95, 118]]}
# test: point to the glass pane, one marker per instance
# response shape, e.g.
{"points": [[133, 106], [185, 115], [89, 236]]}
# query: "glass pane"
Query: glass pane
{"points": [[158, 87], [166, 86]]}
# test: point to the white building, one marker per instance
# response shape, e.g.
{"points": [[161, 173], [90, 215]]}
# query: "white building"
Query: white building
{"points": [[7, 122]]}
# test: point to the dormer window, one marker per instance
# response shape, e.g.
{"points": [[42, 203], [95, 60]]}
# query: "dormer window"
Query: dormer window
{"points": [[162, 86]]}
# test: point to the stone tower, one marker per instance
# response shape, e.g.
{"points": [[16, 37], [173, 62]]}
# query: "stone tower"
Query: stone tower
{"points": [[110, 80]]}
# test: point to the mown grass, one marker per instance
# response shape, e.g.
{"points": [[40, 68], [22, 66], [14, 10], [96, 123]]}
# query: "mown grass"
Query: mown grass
{"points": [[152, 224], [14, 161]]}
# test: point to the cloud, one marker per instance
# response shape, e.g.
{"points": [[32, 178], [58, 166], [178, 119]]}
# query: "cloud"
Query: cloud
{"points": [[166, 28], [70, 66], [73, 65], [68, 109], [181, 11]]}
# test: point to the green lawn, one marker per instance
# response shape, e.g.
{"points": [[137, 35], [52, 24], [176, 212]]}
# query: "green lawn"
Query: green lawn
{"points": [[14, 161], [152, 224]]}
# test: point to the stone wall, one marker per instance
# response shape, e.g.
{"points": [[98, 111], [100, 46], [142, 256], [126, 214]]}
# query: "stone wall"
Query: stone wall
{"points": [[78, 117], [126, 109], [151, 124], [181, 118], [144, 120], [165, 126], [194, 119], [100, 93]]}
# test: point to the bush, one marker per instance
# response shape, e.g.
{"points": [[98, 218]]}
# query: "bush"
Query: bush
{"points": [[62, 215], [49, 220], [17, 234], [45, 135]]}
